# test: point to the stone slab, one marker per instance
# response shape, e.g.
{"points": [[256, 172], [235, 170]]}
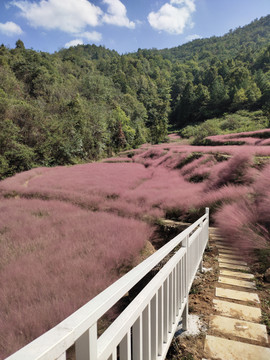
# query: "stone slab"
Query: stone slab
{"points": [[228, 252], [223, 247], [229, 256], [237, 282], [237, 295], [233, 266], [237, 274], [223, 349], [229, 261], [239, 328], [222, 243], [237, 311]]}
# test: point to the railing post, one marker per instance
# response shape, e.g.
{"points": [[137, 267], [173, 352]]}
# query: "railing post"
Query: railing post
{"points": [[137, 339], [208, 220], [201, 266], [160, 320], [185, 244], [86, 345], [200, 245], [185, 317], [125, 347], [146, 333], [154, 327]]}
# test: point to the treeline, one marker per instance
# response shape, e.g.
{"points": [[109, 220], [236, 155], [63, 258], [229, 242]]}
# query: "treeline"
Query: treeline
{"points": [[87, 102], [79, 104]]}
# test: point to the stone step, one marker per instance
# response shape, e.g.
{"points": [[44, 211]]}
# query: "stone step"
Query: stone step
{"points": [[223, 349], [223, 247], [243, 329], [236, 282], [237, 311], [233, 266], [229, 256], [237, 274], [221, 243], [229, 261], [227, 252], [237, 295]]}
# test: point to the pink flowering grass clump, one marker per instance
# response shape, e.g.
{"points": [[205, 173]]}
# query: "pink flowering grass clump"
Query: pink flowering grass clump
{"points": [[246, 222], [174, 137], [235, 170], [54, 258], [249, 138], [240, 224]]}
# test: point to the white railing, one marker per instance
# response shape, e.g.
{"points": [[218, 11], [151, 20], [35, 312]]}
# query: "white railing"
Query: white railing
{"points": [[144, 330]]}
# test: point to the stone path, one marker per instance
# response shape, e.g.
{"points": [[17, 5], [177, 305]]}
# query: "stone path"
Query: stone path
{"points": [[236, 332]]}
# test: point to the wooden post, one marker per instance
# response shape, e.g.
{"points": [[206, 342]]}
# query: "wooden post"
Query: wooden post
{"points": [[154, 327], [185, 244], [160, 320], [86, 345], [208, 218], [165, 310], [201, 266], [125, 348], [146, 333], [137, 339]]}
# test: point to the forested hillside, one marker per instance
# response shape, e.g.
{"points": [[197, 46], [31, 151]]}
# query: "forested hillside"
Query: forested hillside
{"points": [[87, 102]]}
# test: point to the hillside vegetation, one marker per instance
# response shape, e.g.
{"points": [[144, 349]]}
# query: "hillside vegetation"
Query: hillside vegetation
{"points": [[87, 102]]}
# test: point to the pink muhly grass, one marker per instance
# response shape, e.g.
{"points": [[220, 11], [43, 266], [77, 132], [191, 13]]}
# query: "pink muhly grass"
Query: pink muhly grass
{"points": [[54, 258], [265, 142], [215, 197], [195, 164], [261, 195], [246, 134], [233, 171], [174, 137], [166, 188], [239, 224]]}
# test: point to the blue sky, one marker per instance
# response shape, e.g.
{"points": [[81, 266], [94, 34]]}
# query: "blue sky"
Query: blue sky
{"points": [[122, 25]]}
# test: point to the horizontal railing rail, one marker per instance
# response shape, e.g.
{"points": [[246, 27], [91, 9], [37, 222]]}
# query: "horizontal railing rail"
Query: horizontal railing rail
{"points": [[145, 328]]}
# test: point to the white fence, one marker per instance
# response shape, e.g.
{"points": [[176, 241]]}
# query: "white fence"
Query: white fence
{"points": [[144, 330]]}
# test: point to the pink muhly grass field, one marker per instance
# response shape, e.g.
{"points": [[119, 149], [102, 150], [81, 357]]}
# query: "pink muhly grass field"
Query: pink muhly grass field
{"points": [[56, 254], [54, 258]]}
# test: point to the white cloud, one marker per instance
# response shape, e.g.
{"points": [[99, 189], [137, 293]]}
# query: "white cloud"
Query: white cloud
{"points": [[173, 16], [70, 16], [193, 37], [10, 29], [91, 36], [74, 42], [117, 14]]}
